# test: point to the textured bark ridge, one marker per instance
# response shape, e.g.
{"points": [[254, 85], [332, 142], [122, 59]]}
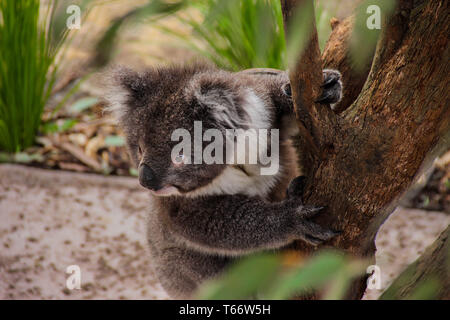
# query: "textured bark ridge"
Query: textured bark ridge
{"points": [[370, 153]]}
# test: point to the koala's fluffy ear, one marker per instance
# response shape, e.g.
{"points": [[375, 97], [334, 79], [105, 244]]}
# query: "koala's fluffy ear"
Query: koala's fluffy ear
{"points": [[124, 89], [222, 98]]}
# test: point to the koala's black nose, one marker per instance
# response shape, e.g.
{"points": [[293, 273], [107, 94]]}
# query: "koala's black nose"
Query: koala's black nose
{"points": [[148, 178]]}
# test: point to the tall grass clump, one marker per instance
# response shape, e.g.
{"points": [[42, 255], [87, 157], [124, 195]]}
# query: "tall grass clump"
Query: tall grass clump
{"points": [[233, 34], [237, 34], [241, 34], [29, 46]]}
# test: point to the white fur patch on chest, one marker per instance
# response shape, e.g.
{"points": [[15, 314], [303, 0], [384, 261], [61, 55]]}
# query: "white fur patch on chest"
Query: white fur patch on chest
{"points": [[235, 181]]}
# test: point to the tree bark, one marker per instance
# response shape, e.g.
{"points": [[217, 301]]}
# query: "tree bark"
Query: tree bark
{"points": [[370, 153], [336, 55], [307, 80], [434, 264]]}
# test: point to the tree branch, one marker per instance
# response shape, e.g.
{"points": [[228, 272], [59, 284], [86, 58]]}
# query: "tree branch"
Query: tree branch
{"points": [[434, 264], [336, 55], [306, 79], [376, 148]]}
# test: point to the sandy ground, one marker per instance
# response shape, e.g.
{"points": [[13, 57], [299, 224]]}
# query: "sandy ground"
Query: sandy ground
{"points": [[53, 219]]}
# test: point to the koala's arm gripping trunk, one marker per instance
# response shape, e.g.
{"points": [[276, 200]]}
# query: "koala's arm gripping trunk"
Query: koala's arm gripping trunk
{"points": [[232, 225], [237, 224]]}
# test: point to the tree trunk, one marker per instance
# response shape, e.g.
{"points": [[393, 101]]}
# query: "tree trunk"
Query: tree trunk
{"points": [[433, 265], [336, 55], [370, 153]]}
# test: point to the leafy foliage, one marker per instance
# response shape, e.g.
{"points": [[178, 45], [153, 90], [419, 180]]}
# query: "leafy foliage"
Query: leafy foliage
{"points": [[283, 276], [233, 34], [156, 9], [364, 40], [31, 36], [239, 34]]}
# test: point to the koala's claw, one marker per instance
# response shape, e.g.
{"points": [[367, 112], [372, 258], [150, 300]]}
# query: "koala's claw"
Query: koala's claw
{"points": [[330, 77], [309, 231], [315, 234], [332, 88], [305, 230]]}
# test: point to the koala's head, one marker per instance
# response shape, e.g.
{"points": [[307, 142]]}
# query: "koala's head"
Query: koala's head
{"points": [[152, 105]]}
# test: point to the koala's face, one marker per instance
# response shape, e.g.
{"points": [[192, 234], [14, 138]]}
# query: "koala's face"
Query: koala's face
{"points": [[152, 106]]}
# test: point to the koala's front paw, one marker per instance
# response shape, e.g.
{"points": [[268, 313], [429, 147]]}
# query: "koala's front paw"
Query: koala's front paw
{"points": [[304, 229], [331, 88], [309, 231]]}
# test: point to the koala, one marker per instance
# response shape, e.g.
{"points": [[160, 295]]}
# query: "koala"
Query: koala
{"points": [[203, 216]]}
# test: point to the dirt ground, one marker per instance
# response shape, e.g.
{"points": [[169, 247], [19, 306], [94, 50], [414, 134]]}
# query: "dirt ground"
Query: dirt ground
{"points": [[54, 219]]}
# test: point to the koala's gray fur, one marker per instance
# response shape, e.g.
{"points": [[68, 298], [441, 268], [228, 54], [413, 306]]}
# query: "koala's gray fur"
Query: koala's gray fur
{"points": [[220, 211]]}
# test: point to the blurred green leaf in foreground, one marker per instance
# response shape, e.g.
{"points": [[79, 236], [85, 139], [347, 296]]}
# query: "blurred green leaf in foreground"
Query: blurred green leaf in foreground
{"points": [[284, 276]]}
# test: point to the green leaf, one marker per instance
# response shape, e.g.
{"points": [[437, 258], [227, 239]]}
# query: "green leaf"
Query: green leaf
{"points": [[340, 283], [427, 289], [50, 127], [237, 34], [154, 8], [5, 157], [426, 202], [68, 124], [447, 184], [58, 126], [22, 157], [364, 40], [114, 141], [133, 172], [32, 35], [243, 279], [83, 104], [315, 273], [299, 31]]}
